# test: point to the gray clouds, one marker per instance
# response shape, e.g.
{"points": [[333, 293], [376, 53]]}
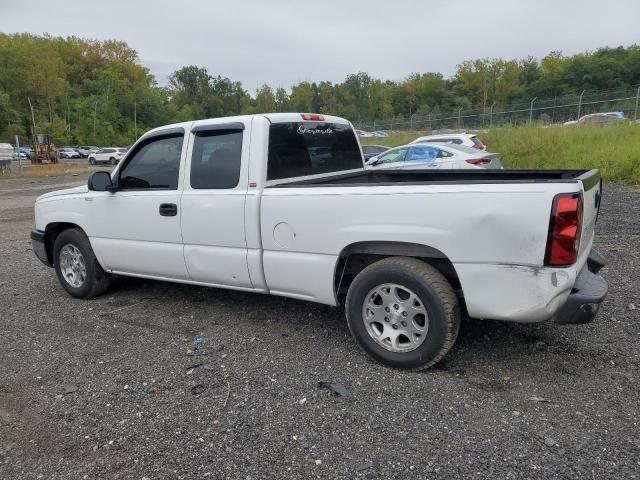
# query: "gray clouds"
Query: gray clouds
{"points": [[284, 42]]}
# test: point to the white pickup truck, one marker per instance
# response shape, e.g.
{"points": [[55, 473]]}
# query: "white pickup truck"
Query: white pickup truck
{"points": [[280, 204]]}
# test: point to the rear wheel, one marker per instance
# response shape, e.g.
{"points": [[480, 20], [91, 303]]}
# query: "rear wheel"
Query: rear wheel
{"points": [[403, 313], [76, 265], [92, 160], [112, 161]]}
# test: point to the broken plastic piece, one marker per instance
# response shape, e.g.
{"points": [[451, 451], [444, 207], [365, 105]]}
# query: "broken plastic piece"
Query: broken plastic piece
{"points": [[336, 388], [198, 389]]}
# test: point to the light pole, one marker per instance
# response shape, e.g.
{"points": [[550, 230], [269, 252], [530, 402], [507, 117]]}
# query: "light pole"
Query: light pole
{"points": [[635, 115], [460, 118], [580, 104], [491, 114], [531, 109]]}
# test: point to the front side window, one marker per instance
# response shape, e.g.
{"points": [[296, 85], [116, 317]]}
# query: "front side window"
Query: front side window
{"points": [[370, 149], [392, 156], [298, 149], [155, 164], [216, 159]]}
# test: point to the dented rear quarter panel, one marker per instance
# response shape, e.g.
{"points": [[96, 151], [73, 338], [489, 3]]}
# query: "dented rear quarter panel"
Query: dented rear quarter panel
{"points": [[494, 234]]}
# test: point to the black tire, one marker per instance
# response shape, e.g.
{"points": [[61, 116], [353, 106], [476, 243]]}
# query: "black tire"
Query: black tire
{"points": [[97, 281], [92, 161], [433, 291], [112, 161]]}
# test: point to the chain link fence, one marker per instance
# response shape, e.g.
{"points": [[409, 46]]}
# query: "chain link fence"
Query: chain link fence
{"points": [[539, 110], [11, 163]]}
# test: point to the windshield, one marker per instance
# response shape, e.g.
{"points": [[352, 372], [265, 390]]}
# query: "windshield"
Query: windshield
{"points": [[298, 149]]}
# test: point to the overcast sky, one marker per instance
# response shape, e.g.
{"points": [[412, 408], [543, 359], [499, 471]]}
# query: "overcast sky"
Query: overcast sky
{"points": [[282, 42]]}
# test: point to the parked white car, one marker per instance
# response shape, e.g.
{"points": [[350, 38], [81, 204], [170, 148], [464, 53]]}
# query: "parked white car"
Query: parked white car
{"points": [[87, 150], [466, 139], [435, 156], [69, 152], [111, 155], [280, 204]]}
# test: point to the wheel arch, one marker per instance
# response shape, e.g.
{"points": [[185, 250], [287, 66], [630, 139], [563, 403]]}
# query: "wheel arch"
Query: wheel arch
{"points": [[52, 230], [355, 257]]}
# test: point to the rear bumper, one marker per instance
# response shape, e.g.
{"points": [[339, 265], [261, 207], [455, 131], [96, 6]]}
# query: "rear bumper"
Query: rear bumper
{"points": [[589, 291], [38, 239]]}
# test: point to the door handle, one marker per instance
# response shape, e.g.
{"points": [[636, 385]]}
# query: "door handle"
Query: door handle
{"points": [[168, 209]]}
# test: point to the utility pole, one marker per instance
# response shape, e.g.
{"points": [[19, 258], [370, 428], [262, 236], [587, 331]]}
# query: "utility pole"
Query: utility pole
{"points": [[95, 113], [135, 119], [635, 115], [33, 118], [491, 114]]}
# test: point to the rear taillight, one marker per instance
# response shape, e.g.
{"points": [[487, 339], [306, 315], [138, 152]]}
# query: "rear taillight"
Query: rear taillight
{"points": [[479, 146], [312, 117], [478, 161], [564, 230]]}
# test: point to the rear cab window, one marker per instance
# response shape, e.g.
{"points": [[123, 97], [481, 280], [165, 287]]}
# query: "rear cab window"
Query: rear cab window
{"points": [[299, 149]]}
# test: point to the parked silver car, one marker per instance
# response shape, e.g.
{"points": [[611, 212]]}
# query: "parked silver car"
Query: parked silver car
{"points": [[437, 156]]}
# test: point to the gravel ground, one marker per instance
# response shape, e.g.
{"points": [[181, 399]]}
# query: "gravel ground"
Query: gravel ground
{"points": [[107, 388]]}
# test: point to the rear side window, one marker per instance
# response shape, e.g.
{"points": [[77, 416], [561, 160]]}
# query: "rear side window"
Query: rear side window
{"points": [[425, 154], [476, 141], [297, 149], [216, 159]]}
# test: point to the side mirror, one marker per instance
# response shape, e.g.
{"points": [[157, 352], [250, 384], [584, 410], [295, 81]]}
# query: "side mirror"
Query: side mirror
{"points": [[101, 182]]}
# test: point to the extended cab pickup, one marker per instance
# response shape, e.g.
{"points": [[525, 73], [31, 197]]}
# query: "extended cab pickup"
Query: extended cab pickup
{"points": [[281, 204]]}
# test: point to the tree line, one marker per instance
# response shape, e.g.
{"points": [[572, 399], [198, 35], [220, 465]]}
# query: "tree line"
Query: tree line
{"points": [[97, 92]]}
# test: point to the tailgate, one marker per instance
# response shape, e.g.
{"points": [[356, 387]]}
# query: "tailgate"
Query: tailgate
{"points": [[591, 195]]}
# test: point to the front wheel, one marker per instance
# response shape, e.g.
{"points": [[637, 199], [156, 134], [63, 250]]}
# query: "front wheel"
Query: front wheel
{"points": [[112, 161], [403, 313], [92, 161], [76, 265]]}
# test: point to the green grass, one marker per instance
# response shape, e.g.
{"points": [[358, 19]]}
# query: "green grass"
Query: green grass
{"points": [[615, 150]]}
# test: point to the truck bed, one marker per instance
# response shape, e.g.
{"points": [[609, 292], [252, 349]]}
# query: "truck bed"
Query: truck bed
{"points": [[589, 178]]}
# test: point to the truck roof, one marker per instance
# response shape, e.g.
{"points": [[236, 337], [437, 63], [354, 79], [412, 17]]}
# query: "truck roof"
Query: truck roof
{"points": [[272, 117]]}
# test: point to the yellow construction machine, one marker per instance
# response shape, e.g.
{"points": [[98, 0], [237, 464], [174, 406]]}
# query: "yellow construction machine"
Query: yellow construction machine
{"points": [[44, 150]]}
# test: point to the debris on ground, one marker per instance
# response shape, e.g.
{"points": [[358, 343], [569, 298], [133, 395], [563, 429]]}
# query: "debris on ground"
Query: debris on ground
{"points": [[70, 389], [198, 389], [538, 399], [549, 442], [336, 388], [364, 466]]}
